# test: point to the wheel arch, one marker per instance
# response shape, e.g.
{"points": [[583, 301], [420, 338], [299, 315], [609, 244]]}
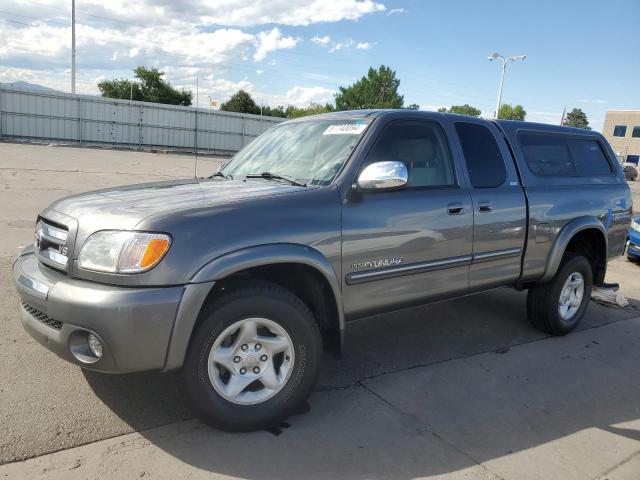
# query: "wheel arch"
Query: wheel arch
{"points": [[284, 264], [586, 236]]}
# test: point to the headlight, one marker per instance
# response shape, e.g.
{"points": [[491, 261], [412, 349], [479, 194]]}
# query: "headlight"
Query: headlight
{"points": [[116, 251], [636, 226]]}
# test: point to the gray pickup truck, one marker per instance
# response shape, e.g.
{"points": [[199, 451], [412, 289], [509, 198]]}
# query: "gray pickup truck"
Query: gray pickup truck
{"points": [[241, 280]]}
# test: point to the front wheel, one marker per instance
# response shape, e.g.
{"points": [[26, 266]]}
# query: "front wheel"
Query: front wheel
{"points": [[558, 306], [253, 359]]}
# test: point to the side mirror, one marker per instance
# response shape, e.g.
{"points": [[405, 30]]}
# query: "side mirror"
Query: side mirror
{"points": [[382, 176]]}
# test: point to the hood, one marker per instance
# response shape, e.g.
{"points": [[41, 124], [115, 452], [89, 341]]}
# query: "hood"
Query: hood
{"points": [[124, 207]]}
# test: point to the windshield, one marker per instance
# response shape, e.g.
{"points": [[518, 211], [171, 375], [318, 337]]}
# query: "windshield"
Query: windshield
{"points": [[310, 152]]}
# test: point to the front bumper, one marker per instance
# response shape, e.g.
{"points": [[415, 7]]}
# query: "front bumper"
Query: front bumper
{"points": [[134, 324]]}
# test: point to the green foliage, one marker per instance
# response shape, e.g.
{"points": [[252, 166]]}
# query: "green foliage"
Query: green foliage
{"points": [[313, 109], [576, 118], [278, 111], [240, 102], [508, 112], [379, 89], [465, 109], [413, 106], [150, 87]]}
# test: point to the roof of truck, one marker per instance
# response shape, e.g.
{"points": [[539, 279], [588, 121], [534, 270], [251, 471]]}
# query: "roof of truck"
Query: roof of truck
{"points": [[507, 125]]}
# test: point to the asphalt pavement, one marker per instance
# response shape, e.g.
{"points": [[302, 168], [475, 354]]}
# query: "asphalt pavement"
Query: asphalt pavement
{"points": [[458, 389]]}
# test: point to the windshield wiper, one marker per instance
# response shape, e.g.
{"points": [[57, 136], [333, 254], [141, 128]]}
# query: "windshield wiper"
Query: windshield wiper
{"points": [[274, 176]]}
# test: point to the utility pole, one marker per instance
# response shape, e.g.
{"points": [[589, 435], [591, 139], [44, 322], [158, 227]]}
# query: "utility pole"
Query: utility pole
{"points": [[495, 56], [73, 46]]}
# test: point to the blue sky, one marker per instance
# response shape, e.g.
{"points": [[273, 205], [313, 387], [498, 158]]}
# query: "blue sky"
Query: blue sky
{"points": [[579, 54]]}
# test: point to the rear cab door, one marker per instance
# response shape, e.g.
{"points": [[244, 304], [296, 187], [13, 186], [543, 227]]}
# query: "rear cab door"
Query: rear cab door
{"points": [[499, 204]]}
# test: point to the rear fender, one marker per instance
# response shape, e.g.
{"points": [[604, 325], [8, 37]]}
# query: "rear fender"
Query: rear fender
{"points": [[564, 237]]}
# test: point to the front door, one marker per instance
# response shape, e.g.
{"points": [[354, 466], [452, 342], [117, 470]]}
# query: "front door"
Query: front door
{"points": [[414, 244], [499, 205]]}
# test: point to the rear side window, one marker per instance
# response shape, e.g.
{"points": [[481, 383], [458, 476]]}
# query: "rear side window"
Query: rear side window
{"points": [[562, 156], [588, 157], [635, 133], [482, 154]]}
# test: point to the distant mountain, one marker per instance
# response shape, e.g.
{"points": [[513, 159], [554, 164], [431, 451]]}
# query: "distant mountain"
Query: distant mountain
{"points": [[32, 87]]}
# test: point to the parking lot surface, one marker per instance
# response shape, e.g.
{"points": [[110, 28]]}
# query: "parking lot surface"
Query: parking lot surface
{"points": [[458, 389]]}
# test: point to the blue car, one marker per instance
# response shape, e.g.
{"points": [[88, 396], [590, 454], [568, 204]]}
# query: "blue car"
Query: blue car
{"points": [[633, 248]]}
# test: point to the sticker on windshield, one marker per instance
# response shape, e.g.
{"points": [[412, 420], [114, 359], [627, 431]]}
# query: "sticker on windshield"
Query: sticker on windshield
{"points": [[345, 129]]}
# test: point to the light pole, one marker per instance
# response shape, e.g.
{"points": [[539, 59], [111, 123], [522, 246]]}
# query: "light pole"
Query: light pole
{"points": [[73, 46], [505, 61]]}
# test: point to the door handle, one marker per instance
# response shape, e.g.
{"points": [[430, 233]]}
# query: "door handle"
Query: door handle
{"points": [[485, 207], [456, 208]]}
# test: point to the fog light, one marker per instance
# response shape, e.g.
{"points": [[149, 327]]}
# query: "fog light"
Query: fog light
{"points": [[94, 345]]}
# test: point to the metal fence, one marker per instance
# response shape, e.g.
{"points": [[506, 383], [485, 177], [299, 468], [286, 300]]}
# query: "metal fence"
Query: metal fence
{"points": [[92, 120]]}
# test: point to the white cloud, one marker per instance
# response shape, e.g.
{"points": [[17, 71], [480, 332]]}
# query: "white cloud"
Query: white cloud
{"points": [[237, 13], [185, 39], [301, 96], [298, 96], [323, 41], [364, 45], [285, 12], [270, 41], [341, 45], [394, 11]]}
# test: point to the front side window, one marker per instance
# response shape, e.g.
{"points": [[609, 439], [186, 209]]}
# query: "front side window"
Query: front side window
{"points": [[619, 130], [482, 155], [310, 152], [423, 149], [635, 133], [563, 156]]}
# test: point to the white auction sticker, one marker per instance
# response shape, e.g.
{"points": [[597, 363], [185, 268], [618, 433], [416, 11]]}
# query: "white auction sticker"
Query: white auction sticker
{"points": [[345, 129]]}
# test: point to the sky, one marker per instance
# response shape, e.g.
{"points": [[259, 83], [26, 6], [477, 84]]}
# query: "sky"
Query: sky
{"points": [[583, 54]]}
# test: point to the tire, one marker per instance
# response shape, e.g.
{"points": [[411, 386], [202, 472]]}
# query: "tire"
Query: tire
{"points": [[272, 309], [543, 301]]}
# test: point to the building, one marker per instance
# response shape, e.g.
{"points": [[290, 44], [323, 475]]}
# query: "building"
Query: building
{"points": [[622, 130]]}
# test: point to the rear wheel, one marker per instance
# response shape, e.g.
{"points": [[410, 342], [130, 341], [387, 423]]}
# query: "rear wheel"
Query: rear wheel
{"points": [[253, 359], [558, 306]]}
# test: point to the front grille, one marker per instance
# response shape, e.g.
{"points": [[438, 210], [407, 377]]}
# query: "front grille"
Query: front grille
{"points": [[50, 244], [42, 317]]}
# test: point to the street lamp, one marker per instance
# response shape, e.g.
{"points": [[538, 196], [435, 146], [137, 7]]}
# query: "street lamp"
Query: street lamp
{"points": [[495, 56]]}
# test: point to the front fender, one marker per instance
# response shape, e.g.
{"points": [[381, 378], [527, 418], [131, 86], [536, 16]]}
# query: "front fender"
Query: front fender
{"points": [[564, 237], [203, 280]]}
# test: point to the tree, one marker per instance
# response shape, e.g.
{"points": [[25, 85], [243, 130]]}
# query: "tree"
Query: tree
{"points": [[150, 87], [465, 109], [240, 102], [278, 111], [379, 89], [576, 118], [413, 106], [507, 112], [313, 109]]}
